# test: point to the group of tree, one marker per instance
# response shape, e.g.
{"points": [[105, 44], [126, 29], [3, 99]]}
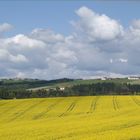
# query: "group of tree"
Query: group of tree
{"points": [[75, 90]]}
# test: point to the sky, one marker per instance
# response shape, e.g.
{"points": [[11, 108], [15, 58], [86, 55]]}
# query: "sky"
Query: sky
{"points": [[73, 39], [27, 15]]}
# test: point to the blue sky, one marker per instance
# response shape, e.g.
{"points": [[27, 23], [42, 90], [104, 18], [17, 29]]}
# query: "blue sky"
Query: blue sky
{"points": [[27, 15], [74, 39]]}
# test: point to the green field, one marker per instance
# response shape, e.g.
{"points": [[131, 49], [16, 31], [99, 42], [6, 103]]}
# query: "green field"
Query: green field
{"points": [[71, 118]]}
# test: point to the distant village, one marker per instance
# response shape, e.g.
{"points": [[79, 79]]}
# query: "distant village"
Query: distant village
{"points": [[129, 78]]}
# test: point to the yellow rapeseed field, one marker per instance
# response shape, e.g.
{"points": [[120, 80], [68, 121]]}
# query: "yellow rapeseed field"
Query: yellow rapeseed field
{"points": [[71, 118]]}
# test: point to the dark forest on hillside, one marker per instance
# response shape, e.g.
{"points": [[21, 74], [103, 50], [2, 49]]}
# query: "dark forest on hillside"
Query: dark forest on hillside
{"points": [[103, 88]]}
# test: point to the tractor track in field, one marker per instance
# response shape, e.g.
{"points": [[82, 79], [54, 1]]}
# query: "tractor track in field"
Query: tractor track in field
{"points": [[93, 105], [70, 108], [26, 110], [115, 103], [135, 100], [49, 108], [2, 104], [10, 108]]}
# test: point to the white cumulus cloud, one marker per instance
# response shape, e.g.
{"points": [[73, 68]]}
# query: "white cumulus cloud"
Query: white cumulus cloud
{"points": [[96, 27], [99, 46]]}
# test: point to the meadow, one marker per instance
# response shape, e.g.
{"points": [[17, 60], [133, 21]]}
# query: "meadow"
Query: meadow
{"points": [[71, 118]]}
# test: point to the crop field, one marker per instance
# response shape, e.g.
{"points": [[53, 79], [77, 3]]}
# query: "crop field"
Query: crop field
{"points": [[71, 118]]}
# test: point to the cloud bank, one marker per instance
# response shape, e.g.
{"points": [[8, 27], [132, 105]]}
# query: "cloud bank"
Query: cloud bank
{"points": [[99, 46]]}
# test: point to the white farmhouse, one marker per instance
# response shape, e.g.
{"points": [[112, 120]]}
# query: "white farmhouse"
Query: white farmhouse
{"points": [[103, 78], [62, 88]]}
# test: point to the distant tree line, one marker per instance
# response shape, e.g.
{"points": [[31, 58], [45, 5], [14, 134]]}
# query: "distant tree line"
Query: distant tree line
{"points": [[76, 90], [106, 89]]}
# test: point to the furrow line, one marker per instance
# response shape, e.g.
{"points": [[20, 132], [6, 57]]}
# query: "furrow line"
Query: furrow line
{"points": [[38, 116], [70, 108], [93, 105], [114, 103], [136, 101], [10, 108], [28, 109]]}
